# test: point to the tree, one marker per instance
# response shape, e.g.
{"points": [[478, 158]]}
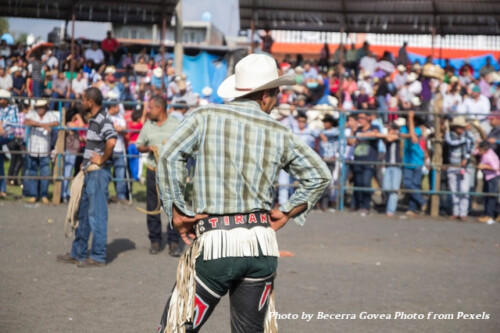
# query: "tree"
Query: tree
{"points": [[4, 25], [21, 38]]}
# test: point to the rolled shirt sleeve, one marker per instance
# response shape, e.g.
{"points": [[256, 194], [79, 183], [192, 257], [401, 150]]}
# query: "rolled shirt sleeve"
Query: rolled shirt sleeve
{"points": [[172, 172]]}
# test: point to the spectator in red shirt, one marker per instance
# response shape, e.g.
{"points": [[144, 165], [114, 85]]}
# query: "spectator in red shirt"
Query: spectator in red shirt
{"points": [[110, 45]]}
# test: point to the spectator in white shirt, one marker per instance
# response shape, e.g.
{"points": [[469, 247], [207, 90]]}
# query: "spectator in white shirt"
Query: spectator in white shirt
{"points": [[78, 85], [95, 54], [5, 80]]}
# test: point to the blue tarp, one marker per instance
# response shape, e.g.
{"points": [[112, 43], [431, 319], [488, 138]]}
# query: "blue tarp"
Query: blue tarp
{"points": [[475, 62], [204, 70]]}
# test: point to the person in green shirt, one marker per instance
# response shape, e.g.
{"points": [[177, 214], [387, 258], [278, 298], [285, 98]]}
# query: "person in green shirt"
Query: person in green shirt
{"points": [[154, 134]]}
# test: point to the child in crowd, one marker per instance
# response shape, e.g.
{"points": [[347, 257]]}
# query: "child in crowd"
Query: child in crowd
{"points": [[490, 165]]}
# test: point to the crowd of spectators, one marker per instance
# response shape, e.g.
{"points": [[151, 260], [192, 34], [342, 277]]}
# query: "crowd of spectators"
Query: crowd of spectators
{"points": [[390, 106]]}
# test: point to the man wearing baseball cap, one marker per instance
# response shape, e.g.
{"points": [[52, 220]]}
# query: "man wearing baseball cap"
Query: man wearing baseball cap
{"points": [[239, 151]]}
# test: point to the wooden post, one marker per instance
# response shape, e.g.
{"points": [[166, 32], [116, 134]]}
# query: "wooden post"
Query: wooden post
{"points": [[178, 49], [59, 162], [437, 159]]}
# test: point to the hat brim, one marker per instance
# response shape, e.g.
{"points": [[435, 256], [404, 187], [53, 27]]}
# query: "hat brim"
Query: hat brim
{"points": [[227, 89]]}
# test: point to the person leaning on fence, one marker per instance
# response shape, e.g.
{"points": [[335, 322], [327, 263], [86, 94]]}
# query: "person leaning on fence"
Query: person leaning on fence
{"points": [[414, 160], [119, 151], [329, 151], [490, 165], [8, 117], [18, 145], [93, 210], [41, 121], [460, 151], [239, 151], [156, 131], [365, 151], [393, 171]]}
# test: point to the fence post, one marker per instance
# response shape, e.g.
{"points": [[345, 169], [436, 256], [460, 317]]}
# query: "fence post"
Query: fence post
{"points": [[342, 153], [59, 162], [437, 158]]}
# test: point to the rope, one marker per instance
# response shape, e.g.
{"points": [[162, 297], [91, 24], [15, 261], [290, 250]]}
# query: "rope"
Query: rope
{"points": [[157, 209], [74, 204], [74, 200]]}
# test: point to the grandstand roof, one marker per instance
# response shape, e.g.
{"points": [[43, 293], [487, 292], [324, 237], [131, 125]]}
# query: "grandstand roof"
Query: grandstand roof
{"points": [[122, 11], [468, 17]]}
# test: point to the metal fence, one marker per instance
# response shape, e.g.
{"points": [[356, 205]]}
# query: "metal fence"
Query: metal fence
{"points": [[341, 186]]}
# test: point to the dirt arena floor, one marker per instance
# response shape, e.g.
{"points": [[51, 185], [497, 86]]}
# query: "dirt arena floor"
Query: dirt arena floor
{"points": [[345, 266]]}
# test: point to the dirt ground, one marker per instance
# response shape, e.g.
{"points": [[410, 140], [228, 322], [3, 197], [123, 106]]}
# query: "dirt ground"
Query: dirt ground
{"points": [[343, 264]]}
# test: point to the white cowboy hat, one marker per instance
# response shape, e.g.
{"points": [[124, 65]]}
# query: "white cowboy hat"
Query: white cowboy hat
{"points": [[207, 91], [453, 79], [333, 101], [110, 70], [284, 110], [253, 73], [415, 101], [458, 122], [40, 103], [400, 122], [299, 70], [4, 94], [401, 68], [14, 69], [158, 72], [412, 77], [323, 107]]}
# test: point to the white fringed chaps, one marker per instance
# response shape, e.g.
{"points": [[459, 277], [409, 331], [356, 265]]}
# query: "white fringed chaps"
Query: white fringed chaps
{"points": [[238, 242]]}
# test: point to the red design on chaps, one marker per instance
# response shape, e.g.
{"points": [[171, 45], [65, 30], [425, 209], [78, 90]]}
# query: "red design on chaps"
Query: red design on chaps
{"points": [[200, 310], [263, 218], [226, 220], [265, 295]]}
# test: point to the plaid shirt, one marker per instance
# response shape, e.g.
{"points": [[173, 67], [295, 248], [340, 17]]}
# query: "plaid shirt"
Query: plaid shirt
{"points": [[239, 151], [9, 117]]}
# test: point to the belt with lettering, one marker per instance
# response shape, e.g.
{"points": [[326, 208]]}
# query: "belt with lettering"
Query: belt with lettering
{"points": [[228, 222]]}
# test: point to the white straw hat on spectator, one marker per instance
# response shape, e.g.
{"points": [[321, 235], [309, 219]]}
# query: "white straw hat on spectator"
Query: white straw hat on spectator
{"points": [[207, 91], [417, 66], [284, 110], [401, 68], [493, 77], [324, 108], [110, 70], [253, 73], [412, 77], [4, 94], [453, 79], [40, 103], [400, 122], [333, 101], [415, 101], [299, 70], [275, 114], [458, 122], [158, 72], [14, 69], [112, 95]]}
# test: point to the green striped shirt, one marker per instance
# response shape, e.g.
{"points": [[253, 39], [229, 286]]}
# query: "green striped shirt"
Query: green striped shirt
{"points": [[239, 151]]}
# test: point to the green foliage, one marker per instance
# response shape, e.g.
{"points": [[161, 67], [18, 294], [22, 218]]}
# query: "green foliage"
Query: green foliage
{"points": [[4, 25]]}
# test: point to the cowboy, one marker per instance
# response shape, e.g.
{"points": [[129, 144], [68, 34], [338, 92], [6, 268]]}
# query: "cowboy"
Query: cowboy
{"points": [[8, 117], [153, 134], [93, 211], [239, 151], [38, 157], [459, 154]]}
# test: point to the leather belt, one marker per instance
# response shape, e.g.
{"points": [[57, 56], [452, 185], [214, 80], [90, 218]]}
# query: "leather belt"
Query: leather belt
{"points": [[228, 222]]}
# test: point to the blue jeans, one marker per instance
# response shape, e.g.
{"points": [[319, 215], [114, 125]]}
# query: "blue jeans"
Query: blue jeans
{"points": [[133, 162], [37, 166], [37, 88], [392, 183], [69, 164], [363, 175], [412, 180], [3, 182], [119, 172], [93, 217]]}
